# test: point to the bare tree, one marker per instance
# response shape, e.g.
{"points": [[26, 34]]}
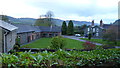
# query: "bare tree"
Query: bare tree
{"points": [[49, 16], [45, 20]]}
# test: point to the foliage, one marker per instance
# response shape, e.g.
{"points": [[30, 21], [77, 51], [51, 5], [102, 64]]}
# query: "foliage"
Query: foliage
{"points": [[109, 57], [64, 28], [17, 41], [4, 18], [46, 20], [42, 22], [111, 34], [15, 49], [89, 36], [89, 45], [79, 29], [58, 42], [70, 29], [101, 41]]}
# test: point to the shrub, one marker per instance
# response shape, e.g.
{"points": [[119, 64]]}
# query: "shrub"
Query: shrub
{"points": [[12, 51], [15, 49], [89, 36], [88, 45], [18, 41], [58, 42], [82, 59]]}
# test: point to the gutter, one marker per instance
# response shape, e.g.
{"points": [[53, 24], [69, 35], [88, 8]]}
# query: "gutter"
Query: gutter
{"points": [[5, 41]]}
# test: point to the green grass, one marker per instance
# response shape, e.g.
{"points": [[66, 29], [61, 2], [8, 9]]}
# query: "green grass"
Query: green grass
{"points": [[73, 44], [94, 40], [41, 43], [100, 41], [45, 42]]}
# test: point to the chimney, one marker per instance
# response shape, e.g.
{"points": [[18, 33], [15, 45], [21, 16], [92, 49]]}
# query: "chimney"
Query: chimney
{"points": [[92, 23], [101, 23]]}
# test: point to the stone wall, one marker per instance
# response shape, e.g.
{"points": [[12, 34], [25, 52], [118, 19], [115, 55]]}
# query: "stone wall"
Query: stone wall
{"points": [[1, 41], [10, 40]]}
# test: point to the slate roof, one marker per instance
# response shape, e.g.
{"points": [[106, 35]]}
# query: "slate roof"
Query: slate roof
{"points": [[36, 29], [7, 26], [28, 28], [50, 29]]}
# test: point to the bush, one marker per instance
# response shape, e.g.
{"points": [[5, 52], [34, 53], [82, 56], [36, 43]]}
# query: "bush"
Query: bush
{"points": [[94, 58], [89, 36], [16, 47], [58, 42], [18, 41], [88, 45]]}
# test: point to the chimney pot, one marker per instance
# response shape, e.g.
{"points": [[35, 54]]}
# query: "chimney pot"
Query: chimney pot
{"points": [[101, 23], [92, 22]]}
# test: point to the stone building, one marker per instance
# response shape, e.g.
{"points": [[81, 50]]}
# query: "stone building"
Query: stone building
{"points": [[7, 36], [28, 33]]}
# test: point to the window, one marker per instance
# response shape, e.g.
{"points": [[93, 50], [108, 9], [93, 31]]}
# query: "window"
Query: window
{"points": [[93, 29], [88, 29], [44, 35], [97, 34], [56, 34]]}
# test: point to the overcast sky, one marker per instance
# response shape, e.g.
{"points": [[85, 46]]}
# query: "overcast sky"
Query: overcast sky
{"points": [[81, 10]]}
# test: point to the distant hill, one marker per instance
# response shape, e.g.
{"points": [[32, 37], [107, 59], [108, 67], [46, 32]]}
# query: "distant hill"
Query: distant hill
{"points": [[29, 21], [58, 22]]}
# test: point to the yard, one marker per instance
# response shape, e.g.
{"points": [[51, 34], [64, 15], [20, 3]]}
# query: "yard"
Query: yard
{"points": [[100, 41], [46, 42]]}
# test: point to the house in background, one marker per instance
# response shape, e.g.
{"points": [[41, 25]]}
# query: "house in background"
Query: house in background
{"points": [[95, 30], [7, 36]]}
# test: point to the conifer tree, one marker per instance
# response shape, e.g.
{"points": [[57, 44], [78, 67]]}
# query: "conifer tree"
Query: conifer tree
{"points": [[64, 28], [70, 29]]}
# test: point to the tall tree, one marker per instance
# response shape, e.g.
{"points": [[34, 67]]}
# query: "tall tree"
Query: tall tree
{"points": [[70, 29], [64, 28]]}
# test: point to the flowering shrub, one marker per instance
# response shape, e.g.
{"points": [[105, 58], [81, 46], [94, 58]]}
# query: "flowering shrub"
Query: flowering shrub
{"points": [[89, 45]]}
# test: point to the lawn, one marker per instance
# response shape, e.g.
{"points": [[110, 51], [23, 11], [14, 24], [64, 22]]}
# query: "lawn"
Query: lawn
{"points": [[46, 42], [94, 40], [99, 41]]}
